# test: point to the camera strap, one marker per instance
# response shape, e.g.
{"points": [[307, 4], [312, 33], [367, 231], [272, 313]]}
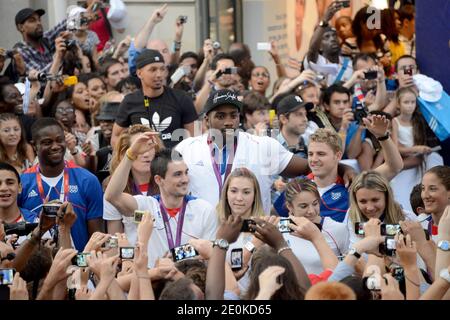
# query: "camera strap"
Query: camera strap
{"points": [[167, 227], [64, 194]]}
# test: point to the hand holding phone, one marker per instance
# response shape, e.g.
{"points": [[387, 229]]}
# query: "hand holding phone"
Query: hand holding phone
{"points": [[127, 253], [248, 225], [236, 259], [185, 251], [7, 276]]}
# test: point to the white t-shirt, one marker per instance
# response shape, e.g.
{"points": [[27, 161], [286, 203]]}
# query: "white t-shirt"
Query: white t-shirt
{"points": [[264, 156], [200, 222], [331, 70], [335, 234], [110, 213]]}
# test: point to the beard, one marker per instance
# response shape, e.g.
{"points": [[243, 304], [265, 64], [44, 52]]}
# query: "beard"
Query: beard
{"points": [[36, 35]]}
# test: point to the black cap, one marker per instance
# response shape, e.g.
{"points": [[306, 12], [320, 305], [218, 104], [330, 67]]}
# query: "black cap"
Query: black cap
{"points": [[108, 111], [220, 98], [24, 14], [291, 103], [148, 56]]}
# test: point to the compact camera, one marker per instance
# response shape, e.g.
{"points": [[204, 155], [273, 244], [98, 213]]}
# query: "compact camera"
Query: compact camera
{"points": [[216, 45], [360, 113], [185, 251], [80, 260], [112, 242], [388, 247], [182, 19], [50, 209], [70, 43], [127, 253], [370, 75], [283, 225], [249, 225], [138, 215]]}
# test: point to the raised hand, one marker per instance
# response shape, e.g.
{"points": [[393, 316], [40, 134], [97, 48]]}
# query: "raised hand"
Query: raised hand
{"points": [[144, 143], [230, 229], [59, 266], [96, 241], [390, 289], [444, 224], [18, 290], [203, 247], [269, 233], [406, 250], [378, 125], [304, 228], [140, 260], [66, 216], [372, 228], [159, 14], [145, 228], [268, 282]]}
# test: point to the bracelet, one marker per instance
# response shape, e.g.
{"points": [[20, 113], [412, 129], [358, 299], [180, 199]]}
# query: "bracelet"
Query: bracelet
{"points": [[283, 249], [130, 155], [385, 137]]}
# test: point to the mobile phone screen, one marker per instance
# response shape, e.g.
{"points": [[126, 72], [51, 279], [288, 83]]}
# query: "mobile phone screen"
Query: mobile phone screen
{"points": [[236, 259], [127, 253], [6, 276], [390, 229], [185, 251], [283, 225], [359, 228]]}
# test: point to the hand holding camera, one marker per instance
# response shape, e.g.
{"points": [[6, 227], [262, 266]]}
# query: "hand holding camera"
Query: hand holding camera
{"points": [[61, 262], [145, 228], [406, 250], [270, 280], [267, 232], [230, 229], [97, 241], [372, 228], [159, 14], [203, 247], [18, 288], [304, 228], [390, 289]]}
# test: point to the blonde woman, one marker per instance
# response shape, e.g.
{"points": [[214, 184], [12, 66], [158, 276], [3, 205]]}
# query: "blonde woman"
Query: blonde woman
{"points": [[241, 196], [371, 197]]}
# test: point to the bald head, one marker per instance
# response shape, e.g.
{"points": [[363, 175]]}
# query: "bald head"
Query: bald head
{"points": [[161, 46]]}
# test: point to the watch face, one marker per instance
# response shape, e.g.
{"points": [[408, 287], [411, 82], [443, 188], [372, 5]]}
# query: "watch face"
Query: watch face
{"points": [[444, 245], [222, 243]]}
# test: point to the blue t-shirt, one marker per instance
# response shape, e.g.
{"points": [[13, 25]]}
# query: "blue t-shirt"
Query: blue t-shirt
{"points": [[334, 203], [85, 194]]}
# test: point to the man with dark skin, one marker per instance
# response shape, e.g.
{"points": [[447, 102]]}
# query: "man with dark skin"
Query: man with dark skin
{"points": [[324, 47], [230, 149], [55, 179]]}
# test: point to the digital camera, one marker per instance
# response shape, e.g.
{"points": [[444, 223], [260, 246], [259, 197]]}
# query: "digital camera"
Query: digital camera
{"points": [[185, 251]]}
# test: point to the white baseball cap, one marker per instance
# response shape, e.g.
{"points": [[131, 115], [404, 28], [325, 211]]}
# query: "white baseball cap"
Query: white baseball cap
{"points": [[117, 14], [429, 89]]}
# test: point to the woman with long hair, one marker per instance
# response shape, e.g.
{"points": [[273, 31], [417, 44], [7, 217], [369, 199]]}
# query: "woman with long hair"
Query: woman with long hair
{"points": [[139, 180], [241, 196], [371, 197], [14, 148], [303, 201]]}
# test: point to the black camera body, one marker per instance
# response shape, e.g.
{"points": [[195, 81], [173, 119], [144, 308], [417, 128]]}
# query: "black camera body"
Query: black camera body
{"points": [[249, 225], [20, 228], [182, 19], [370, 75], [70, 43], [360, 113]]}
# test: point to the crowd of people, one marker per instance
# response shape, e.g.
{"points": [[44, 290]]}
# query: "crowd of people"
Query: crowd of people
{"points": [[138, 172]]}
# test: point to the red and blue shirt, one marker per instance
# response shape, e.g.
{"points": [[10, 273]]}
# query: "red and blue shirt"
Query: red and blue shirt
{"points": [[84, 192]]}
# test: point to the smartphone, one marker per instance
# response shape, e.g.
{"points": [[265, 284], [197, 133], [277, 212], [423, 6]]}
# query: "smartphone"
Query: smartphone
{"points": [[112, 242], [345, 3], [51, 209], [388, 247], [249, 225], [80, 260], [390, 229], [127, 253], [263, 46], [359, 228], [370, 75], [138, 215], [236, 259], [283, 225], [180, 73], [185, 251], [7, 276]]}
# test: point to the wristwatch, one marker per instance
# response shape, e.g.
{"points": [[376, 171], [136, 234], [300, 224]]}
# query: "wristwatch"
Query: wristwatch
{"points": [[221, 243], [385, 137], [323, 24], [444, 274], [250, 246], [353, 251], [444, 245]]}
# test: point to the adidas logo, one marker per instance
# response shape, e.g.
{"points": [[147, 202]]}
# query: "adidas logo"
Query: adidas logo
{"points": [[157, 124], [32, 194]]}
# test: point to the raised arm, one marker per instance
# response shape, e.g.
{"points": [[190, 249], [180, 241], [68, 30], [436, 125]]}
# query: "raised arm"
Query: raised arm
{"points": [[393, 163], [140, 41], [114, 194], [314, 45]]}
